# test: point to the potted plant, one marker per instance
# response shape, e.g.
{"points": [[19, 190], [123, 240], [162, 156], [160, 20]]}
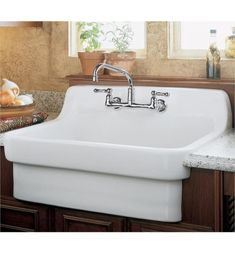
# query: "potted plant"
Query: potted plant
{"points": [[121, 36], [90, 33]]}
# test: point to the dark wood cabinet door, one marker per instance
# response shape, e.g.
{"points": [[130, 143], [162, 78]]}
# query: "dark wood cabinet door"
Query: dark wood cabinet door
{"points": [[202, 199], [67, 220], [19, 216], [135, 225], [6, 171]]}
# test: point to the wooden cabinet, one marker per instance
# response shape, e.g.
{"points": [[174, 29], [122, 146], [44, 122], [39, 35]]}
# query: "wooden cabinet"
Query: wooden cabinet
{"points": [[6, 173], [77, 221], [135, 225], [19, 216], [208, 204], [202, 199]]}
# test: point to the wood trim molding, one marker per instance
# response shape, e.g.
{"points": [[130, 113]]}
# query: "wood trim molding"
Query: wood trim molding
{"points": [[29, 211], [147, 226], [229, 184], [15, 228], [67, 219], [218, 200]]}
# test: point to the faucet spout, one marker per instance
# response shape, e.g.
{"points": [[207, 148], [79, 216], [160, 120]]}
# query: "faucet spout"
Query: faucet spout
{"points": [[95, 72], [114, 69], [117, 70]]}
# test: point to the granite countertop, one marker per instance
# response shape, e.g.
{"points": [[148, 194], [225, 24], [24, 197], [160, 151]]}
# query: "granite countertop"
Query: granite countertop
{"points": [[217, 155], [51, 116]]}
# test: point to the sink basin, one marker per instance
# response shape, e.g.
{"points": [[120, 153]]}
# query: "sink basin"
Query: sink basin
{"points": [[125, 162]]}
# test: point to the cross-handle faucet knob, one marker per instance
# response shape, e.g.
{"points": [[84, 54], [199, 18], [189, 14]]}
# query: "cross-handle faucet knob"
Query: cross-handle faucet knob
{"points": [[108, 90], [153, 93], [161, 94]]}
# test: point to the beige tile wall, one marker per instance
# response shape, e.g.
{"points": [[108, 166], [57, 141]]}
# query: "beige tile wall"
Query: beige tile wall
{"points": [[37, 58]]}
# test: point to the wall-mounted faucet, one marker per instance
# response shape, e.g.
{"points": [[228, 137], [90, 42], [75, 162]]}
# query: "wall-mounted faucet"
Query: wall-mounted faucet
{"points": [[116, 102]]}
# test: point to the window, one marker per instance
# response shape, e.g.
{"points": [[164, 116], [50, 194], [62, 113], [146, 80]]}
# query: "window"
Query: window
{"points": [[138, 43], [191, 39]]}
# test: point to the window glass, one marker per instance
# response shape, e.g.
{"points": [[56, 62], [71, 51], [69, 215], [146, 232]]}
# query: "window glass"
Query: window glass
{"points": [[191, 39], [138, 43], [195, 35]]}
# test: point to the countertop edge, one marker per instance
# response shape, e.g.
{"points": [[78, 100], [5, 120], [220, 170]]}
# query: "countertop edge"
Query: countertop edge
{"points": [[218, 154], [212, 163]]}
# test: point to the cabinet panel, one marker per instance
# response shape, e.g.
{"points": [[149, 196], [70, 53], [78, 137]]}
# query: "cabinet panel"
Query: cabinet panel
{"points": [[202, 199], [67, 220], [20, 216], [6, 169], [229, 184], [153, 226]]}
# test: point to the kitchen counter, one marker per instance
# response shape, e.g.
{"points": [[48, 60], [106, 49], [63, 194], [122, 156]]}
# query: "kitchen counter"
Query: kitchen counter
{"points": [[51, 116], [217, 155]]}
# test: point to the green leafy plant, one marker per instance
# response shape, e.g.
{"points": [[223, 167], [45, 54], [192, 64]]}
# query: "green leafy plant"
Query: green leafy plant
{"points": [[90, 33], [120, 36]]}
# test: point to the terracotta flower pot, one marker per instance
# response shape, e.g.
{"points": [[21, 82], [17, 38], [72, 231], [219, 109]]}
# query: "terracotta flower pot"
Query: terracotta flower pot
{"points": [[124, 60], [89, 60]]}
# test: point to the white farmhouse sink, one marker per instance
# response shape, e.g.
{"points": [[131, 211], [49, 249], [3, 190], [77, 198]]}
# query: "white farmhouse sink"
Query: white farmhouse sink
{"points": [[125, 162]]}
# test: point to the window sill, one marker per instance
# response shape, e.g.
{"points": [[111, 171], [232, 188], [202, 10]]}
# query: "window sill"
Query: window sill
{"points": [[21, 24], [197, 58], [142, 57]]}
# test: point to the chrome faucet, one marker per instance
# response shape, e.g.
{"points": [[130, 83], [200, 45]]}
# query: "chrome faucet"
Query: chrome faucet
{"points": [[117, 70], [116, 102]]}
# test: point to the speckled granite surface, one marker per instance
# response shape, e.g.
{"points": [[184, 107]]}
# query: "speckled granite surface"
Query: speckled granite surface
{"points": [[47, 101], [217, 155], [51, 116]]}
